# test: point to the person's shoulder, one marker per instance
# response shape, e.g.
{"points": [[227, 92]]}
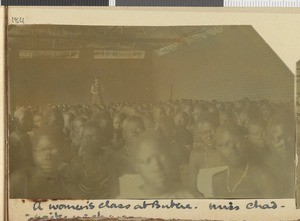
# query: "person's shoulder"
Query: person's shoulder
{"points": [[262, 175], [264, 179]]}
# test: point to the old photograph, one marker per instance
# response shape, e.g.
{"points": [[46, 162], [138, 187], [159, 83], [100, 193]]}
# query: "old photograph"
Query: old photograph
{"points": [[148, 112]]}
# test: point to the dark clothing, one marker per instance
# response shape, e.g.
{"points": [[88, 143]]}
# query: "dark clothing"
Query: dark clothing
{"points": [[92, 177], [117, 141], [20, 151], [123, 162], [30, 183], [284, 176], [257, 183], [183, 137], [176, 191]]}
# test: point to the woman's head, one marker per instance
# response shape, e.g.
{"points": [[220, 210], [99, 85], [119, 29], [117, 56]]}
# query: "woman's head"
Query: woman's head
{"points": [[48, 144]]}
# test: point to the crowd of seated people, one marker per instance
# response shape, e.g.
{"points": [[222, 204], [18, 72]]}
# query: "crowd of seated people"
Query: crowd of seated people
{"points": [[172, 149]]}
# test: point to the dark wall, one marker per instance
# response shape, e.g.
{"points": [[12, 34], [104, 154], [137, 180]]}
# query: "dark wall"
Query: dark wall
{"points": [[228, 66], [231, 65], [68, 81]]}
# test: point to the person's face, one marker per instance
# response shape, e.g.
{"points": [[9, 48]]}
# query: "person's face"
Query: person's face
{"points": [[103, 122], [25, 121], [243, 120], [180, 121], [167, 130], [206, 133], [76, 125], [37, 121], [46, 154], [280, 143], [176, 108], [224, 119], [76, 131], [158, 114], [91, 139], [169, 111], [188, 109], [130, 111], [131, 131], [149, 124], [266, 112], [220, 106], [117, 123], [256, 136], [154, 165], [233, 147], [238, 105], [197, 113], [212, 109], [67, 121], [53, 119]]}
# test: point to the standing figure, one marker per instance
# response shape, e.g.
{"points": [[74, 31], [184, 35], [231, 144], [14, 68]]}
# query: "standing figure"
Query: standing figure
{"points": [[96, 91]]}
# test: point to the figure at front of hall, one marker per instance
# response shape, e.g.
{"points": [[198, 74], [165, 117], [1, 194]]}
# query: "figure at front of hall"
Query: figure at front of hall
{"points": [[96, 91]]}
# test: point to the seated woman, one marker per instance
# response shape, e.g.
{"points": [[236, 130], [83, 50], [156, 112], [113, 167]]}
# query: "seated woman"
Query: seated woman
{"points": [[45, 179], [280, 136], [183, 135], [91, 174], [180, 152], [75, 136], [117, 140], [153, 162], [205, 158], [260, 151], [242, 179]]}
